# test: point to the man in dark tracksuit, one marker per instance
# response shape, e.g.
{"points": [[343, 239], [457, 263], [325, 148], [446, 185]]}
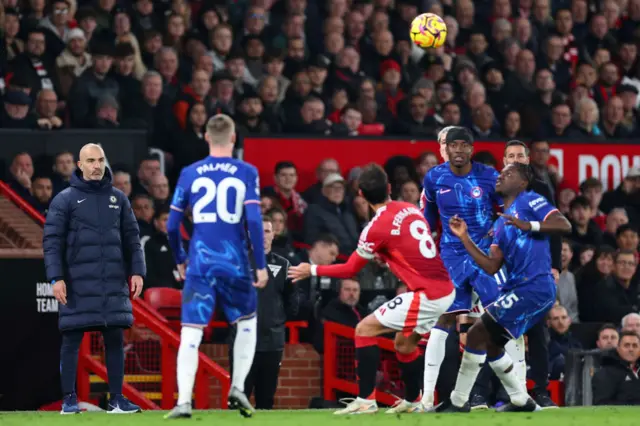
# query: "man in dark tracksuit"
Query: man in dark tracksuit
{"points": [[279, 300], [91, 249]]}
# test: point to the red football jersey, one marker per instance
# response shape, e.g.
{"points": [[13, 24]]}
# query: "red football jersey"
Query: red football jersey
{"points": [[400, 236]]}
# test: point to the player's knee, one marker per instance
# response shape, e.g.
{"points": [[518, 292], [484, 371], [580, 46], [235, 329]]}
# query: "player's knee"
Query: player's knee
{"points": [[191, 336], [403, 346]]}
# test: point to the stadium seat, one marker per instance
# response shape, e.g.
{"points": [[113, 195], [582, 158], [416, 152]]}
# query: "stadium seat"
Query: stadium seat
{"points": [[375, 129], [168, 302]]}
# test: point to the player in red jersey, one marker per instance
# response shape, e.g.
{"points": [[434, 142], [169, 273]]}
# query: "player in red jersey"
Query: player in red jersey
{"points": [[398, 235]]}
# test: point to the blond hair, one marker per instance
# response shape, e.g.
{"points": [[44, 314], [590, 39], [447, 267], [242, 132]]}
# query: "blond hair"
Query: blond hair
{"points": [[221, 129]]}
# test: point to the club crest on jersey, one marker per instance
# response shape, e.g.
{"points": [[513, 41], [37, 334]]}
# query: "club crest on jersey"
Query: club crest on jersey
{"points": [[476, 192]]}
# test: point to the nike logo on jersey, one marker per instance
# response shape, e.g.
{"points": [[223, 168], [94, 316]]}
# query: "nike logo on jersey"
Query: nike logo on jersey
{"points": [[275, 269], [79, 201], [444, 191]]}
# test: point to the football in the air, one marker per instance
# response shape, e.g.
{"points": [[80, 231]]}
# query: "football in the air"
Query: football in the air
{"points": [[428, 31]]}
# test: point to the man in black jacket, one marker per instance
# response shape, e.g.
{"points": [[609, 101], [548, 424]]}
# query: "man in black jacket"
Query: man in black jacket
{"points": [[617, 382], [161, 266], [92, 249], [538, 335], [279, 300]]}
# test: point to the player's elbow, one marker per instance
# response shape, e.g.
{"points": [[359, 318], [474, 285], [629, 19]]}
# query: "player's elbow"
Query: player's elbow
{"points": [[567, 227]]}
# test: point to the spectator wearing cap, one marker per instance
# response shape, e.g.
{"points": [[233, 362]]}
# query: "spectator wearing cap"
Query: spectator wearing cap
{"points": [[33, 66], [318, 72], [390, 72], [86, 18], [15, 114], [92, 85], [47, 109], [106, 117], [249, 115], [197, 91], [124, 70], [625, 195], [73, 61], [12, 43], [629, 95], [56, 26], [332, 214]]}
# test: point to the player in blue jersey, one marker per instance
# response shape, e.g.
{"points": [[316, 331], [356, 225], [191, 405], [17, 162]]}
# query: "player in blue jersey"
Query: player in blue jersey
{"points": [[467, 189], [519, 242], [224, 195]]}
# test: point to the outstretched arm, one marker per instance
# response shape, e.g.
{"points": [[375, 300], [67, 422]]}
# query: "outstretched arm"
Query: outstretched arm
{"points": [[346, 270], [553, 222]]}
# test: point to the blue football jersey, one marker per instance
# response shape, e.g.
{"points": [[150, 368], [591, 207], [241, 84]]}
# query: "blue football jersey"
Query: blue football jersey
{"points": [[471, 197], [526, 254], [218, 189]]}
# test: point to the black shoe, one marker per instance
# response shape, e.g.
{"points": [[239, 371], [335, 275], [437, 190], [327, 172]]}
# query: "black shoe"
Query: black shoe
{"points": [[448, 407], [529, 407], [477, 402], [545, 402]]}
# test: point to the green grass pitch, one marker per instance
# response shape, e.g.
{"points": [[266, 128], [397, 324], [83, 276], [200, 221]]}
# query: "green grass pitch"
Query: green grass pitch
{"points": [[589, 416]]}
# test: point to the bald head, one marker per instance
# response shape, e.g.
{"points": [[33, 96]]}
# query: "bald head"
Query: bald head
{"points": [[92, 162]]}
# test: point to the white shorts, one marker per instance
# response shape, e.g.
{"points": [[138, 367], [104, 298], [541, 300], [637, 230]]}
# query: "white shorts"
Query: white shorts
{"points": [[413, 311], [476, 307]]}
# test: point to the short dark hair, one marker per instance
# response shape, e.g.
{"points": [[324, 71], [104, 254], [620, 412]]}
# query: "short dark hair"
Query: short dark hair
{"points": [[534, 142], [579, 201], [627, 333], [449, 104], [624, 228], [162, 210], [459, 134], [284, 165], [326, 238], [590, 183], [607, 326], [142, 196], [267, 218], [569, 243], [374, 184], [516, 142], [348, 107], [524, 171], [423, 156], [623, 252], [36, 177]]}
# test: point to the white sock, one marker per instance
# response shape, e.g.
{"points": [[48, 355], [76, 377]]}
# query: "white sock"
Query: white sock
{"points": [[512, 384], [244, 348], [190, 339], [433, 357], [467, 375], [516, 350]]}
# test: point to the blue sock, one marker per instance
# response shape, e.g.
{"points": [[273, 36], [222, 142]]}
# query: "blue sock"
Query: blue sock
{"points": [[69, 360], [114, 350]]}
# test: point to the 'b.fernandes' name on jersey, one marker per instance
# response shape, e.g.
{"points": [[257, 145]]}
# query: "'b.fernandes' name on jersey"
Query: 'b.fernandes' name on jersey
{"points": [[401, 216]]}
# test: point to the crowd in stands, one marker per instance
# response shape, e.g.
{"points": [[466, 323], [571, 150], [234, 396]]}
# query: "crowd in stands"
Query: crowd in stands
{"points": [[541, 70]]}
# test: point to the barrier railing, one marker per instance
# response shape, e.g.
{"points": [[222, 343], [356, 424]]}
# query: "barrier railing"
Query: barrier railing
{"points": [[340, 376]]}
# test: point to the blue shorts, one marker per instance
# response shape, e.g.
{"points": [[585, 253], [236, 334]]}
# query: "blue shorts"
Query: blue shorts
{"points": [[468, 277], [236, 296], [518, 309]]}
